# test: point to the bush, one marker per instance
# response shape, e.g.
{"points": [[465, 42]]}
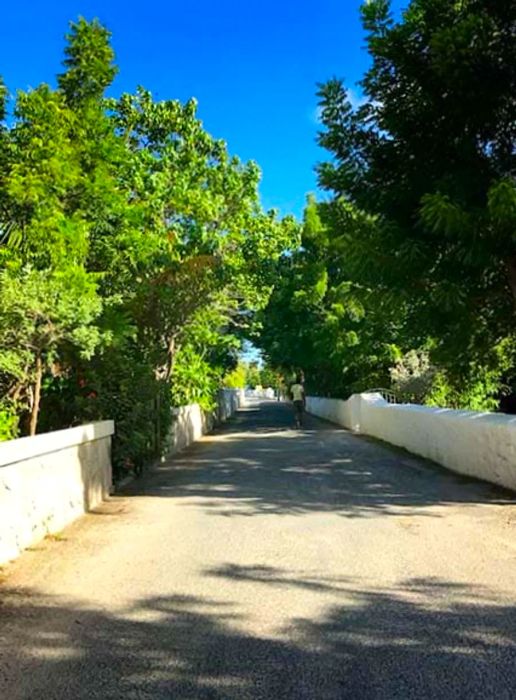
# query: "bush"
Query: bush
{"points": [[195, 380], [412, 376], [8, 422]]}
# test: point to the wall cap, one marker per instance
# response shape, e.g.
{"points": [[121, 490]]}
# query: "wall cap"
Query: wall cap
{"points": [[451, 414], [25, 448]]}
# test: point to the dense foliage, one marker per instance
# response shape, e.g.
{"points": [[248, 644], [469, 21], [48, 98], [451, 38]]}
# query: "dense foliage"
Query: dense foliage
{"points": [[415, 250], [249, 374], [132, 252], [135, 256]]}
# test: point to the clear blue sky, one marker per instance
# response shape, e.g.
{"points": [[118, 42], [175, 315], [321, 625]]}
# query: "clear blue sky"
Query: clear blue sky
{"points": [[253, 67]]}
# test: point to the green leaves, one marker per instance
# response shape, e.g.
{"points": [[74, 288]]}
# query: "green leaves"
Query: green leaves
{"points": [[416, 248], [133, 252], [422, 175], [376, 16], [43, 309], [8, 422], [442, 216], [89, 62], [44, 316], [502, 204]]}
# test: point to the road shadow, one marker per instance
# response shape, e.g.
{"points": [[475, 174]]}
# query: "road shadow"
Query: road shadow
{"points": [[257, 464], [426, 639]]}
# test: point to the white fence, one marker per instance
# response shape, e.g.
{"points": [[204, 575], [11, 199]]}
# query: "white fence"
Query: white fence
{"points": [[49, 480], [482, 445]]}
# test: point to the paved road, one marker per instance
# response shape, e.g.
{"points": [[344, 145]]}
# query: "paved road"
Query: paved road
{"points": [[266, 563]]}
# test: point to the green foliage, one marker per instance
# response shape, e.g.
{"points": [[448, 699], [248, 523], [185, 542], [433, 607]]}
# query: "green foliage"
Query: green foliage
{"points": [[413, 378], [133, 253], [44, 316], [320, 322], [8, 422], [122, 385], [252, 376], [415, 248], [236, 379], [440, 93], [195, 380], [479, 394], [89, 62], [270, 378], [118, 383]]}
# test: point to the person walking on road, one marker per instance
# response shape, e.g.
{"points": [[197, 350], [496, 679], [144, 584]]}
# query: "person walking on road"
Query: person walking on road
{"points": [[297, 393]]}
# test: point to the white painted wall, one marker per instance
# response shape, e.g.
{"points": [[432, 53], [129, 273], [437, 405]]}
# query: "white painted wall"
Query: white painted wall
{"points": [[346, 413], [191, 422], [261, 393], [49, 480], [482, 445], [230, 400]]}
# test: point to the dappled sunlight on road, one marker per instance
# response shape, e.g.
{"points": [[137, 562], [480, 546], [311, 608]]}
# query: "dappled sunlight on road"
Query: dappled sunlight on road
{"points": [[264, 563], [434, 637], [267, 467]]}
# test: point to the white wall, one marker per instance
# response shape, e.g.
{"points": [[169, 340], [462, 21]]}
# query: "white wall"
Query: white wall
{"points": [[49, 480], [346, 413], [191, 422], [261, 393], [478, 444], [229, 401]]}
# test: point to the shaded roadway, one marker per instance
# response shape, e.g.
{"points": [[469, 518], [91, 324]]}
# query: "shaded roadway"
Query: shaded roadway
{"points": [[270, 563]]}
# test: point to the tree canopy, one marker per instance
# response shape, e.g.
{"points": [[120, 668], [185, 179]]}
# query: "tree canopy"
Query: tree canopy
{"points": [[133, 251], [415, 248], [135, 256]]}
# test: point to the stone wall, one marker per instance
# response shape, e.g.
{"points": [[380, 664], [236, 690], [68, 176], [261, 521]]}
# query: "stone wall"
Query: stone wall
{"points": [[49, 480], [477, 444]]}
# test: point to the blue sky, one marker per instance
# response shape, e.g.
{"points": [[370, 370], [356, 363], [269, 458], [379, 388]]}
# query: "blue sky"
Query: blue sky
{"points": [[253, 67]]}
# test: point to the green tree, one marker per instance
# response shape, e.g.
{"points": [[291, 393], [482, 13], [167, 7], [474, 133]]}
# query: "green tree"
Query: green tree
{"points": [[253, 378], [319, 321], [198, 224], [89, 63], [426, 168], [236, 378], [270, 378], [41, 314], [133, 200]]}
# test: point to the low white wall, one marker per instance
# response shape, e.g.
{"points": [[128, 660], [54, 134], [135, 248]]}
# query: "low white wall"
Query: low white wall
{"points": [[346, 413], [230, 400], [190, 422], [49, 480], [268, 393], [477, 444]]}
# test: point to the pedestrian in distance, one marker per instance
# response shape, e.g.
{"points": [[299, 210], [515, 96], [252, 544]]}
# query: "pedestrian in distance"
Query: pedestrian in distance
{"points": [[297, 393]]}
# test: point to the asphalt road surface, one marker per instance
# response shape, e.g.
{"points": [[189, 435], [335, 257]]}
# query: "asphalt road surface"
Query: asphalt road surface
{"points": [[269, 563]]}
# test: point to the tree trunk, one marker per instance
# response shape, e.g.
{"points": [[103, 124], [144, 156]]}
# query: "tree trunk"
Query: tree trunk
{"points": [[15, 391], [171, 357], [37, 397], [158, 422]]}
